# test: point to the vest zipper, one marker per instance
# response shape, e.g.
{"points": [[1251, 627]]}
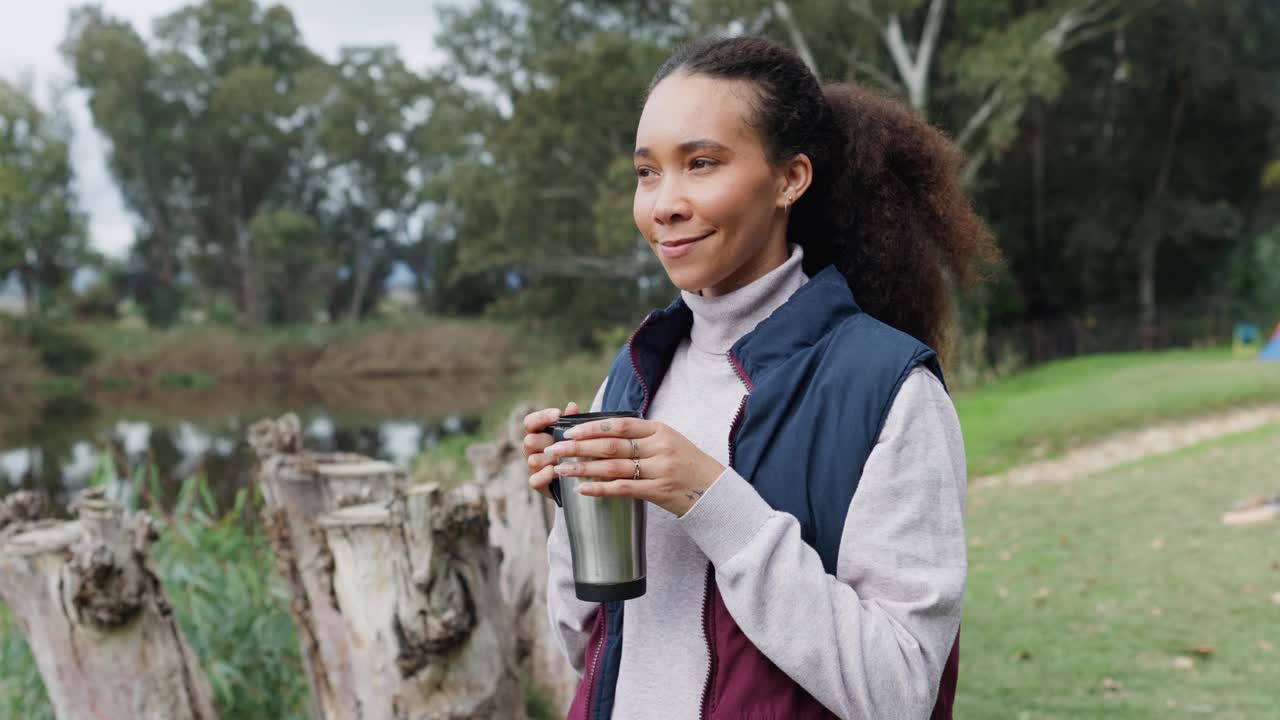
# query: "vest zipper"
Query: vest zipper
{"points": [[593, 679], [706, 635], [635, 365], [707, 618]]}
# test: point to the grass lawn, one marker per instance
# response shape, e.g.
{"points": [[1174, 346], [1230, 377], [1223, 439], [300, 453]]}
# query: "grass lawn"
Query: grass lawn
{"points": [[1059, 405], [1122, 596]]}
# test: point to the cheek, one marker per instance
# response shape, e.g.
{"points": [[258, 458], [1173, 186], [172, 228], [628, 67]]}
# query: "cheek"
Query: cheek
{"points": [[641, 212], [733, 204]]}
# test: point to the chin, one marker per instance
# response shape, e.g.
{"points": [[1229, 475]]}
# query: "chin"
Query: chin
{"points": [[688, 279]]}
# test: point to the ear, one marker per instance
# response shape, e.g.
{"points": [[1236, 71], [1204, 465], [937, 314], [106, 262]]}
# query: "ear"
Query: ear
{"points": [[794, 179]]}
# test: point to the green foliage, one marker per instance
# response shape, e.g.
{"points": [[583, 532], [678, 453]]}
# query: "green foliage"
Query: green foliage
{"points": [[42, 230], [61, 350], [232, 606]]}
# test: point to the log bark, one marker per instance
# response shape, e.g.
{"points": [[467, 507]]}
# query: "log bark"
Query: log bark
{"points": [[519, 523], [298, 488], [95, 616], [416, 580]]}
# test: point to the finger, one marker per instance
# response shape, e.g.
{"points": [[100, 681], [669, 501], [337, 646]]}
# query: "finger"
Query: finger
{"points": [[535, 421], [603, 469], [537, 442], [603, 448], [541, 481], [615, 488], [571, 408], [613, 427], [537, 461]]}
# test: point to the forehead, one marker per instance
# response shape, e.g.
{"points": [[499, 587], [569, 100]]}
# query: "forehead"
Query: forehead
{"points": [[687, 107]]}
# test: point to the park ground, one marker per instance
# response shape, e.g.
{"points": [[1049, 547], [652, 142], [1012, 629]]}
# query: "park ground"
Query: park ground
{"points": [[1114, 591]]}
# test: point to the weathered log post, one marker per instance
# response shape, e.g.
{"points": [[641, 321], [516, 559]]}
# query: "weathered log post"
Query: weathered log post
{"points": [[298, 488], [519, 522], [417, 583], [95, 616], [395, 601]]}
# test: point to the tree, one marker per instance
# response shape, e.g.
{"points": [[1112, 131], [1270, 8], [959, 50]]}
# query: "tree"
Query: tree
{"points": [[42, 230], [202, 128]]}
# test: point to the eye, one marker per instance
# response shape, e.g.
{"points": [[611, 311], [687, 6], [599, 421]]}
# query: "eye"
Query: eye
{"points": [[702, 163], [644, 173]]}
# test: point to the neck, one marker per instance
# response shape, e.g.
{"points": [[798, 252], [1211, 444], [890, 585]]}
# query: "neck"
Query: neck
{"points": [[719, 320], [767, 260]]}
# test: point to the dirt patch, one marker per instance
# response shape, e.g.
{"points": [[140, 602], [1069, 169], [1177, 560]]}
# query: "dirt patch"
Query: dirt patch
{"points": [[1133, 445]]}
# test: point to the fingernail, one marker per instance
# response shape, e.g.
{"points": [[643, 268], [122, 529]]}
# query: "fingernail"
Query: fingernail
{"points": [[554, 450], [573, 432]]}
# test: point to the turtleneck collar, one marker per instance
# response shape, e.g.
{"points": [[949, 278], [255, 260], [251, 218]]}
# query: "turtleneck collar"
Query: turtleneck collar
{"points": [[719, 321]]}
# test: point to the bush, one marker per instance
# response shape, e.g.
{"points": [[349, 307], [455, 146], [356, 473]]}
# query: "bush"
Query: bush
{"points": [[61, 351]]}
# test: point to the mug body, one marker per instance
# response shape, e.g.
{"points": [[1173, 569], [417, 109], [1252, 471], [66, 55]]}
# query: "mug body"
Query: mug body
{"points": [[606, 535]]}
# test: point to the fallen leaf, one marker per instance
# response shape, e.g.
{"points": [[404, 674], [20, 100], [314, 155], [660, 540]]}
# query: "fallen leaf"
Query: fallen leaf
{"points": [[1158, 544], [1275, 565], [1002, 591], [1022, 655], [1184, 663], [1200, 650], [1042, 594], [1005, 555], [1250, 589], [1111, 684], [1275, 598], [1266, 646], [977, 542], [1156, 611]]}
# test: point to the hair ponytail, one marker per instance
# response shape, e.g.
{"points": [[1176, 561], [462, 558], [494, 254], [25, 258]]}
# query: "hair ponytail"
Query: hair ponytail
{"points": [[887, 205]]}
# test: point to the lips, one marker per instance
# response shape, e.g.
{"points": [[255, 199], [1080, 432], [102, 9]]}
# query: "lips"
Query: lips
{"points": [[681, 247]]}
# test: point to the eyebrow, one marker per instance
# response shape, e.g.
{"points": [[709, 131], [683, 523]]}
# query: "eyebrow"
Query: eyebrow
{"points": [[687, 147]]}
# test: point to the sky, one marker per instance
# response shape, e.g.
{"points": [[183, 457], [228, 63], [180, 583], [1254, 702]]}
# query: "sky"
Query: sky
{"points": [[31, 32]]}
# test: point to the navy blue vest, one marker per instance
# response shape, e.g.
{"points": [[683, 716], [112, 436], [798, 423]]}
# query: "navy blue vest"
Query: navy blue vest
{"points": [[821, 376]]}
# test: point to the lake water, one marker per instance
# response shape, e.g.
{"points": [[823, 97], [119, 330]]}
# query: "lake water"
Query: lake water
{"points": [[54, 443]]}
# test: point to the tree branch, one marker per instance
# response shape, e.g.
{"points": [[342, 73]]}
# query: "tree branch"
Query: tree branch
{"points": [[783, 11]]}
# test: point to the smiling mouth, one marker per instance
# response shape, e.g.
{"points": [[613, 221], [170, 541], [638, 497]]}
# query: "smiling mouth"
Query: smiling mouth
{"points": [[686, 241]]}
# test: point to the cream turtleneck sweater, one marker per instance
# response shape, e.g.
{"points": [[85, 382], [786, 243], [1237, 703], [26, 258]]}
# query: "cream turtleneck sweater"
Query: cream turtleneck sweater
{"points": [[882, 627]]}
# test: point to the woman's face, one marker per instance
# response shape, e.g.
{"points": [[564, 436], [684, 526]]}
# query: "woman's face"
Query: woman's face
{"points": [[707, 198]]}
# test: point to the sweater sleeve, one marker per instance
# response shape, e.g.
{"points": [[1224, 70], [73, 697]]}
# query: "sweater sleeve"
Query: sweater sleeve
{"points": [[871, 641], [570, 617]]}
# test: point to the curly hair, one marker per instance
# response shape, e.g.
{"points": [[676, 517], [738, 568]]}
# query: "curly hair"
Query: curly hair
{"points": [[887, 205]]}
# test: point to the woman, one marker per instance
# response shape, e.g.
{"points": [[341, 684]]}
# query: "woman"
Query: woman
{"points": [[801, 459]]}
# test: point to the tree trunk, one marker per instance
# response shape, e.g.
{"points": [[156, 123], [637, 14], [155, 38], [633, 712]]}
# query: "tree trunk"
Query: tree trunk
{"points": [[250, 292], [1150, 230], [361, 276], [298, 489], [416, 581], [375, 605], [519, 522], [101, 630]]}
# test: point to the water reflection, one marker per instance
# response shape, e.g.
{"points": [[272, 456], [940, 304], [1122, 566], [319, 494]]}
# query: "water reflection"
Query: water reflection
{"points": [[55, 445]]}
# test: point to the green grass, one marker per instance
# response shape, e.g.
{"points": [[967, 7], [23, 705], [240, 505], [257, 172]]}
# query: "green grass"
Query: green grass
{"points": [[1082, 596], [1063, 404]]}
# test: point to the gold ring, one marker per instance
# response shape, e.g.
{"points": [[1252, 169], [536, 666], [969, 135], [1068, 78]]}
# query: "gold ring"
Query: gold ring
{"points": [[635, 450], [636, 476]]}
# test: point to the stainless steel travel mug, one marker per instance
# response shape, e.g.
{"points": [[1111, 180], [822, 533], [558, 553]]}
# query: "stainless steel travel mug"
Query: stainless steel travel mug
{"points": [[606, 535]]}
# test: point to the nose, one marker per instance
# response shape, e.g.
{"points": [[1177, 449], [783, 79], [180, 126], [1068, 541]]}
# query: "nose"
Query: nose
{"points": [[671, 204]]}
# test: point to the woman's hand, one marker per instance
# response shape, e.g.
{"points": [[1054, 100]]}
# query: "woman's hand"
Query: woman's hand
{"points": [[541, 471], [673, 472]]}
